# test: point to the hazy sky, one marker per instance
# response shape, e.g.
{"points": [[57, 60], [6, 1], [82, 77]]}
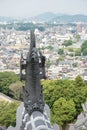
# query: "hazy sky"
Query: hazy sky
{"points": [[27, 8]]}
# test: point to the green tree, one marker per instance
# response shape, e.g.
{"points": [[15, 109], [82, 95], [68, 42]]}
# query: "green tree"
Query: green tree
{"points": [[75, 90], [70, 49], [16, 89], [48, 63], [75, 64], [50, 48], [85, 52], [61, 51], [48, 91], [80, 93], [78, 37], [67, 43], [8, 113], [79, 82], [63, 111], [84, 46], [7, 78], [41, 28], [78, 52]]}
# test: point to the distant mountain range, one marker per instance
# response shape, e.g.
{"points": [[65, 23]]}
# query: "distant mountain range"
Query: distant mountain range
{"points": [[59, 18], [50, 17], [70, 18]]}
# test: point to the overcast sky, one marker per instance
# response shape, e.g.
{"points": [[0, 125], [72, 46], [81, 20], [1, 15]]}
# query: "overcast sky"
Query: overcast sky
{"points": [[27, 8]]}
